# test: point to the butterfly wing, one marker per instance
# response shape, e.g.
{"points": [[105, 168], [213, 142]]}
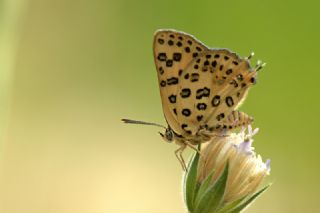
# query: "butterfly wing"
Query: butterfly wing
{"points": [[218, 81], [173, 51]]}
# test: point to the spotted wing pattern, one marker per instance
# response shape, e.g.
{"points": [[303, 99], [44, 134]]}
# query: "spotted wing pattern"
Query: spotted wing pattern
{"points": [[210, 88], [173, 51]]}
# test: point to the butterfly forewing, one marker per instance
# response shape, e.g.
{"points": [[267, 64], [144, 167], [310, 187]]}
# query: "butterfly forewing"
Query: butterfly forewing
{"points": [[173, 51]]}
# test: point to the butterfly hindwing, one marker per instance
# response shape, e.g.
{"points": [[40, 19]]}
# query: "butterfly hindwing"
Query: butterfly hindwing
{"points": [[173, 51], [218, 81]]}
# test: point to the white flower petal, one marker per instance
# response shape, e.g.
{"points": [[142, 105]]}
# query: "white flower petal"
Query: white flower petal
{"points": [[246, 170]]}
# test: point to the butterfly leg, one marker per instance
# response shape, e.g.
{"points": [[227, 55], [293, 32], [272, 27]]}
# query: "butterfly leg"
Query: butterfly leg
{"points": [[192, 147], [179, 156]]}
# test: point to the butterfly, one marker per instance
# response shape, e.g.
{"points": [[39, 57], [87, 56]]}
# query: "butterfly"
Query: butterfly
{"points": [[201, 89]]}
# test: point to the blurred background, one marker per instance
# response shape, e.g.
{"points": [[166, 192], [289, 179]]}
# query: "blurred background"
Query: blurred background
{"points": [[70, 70]]}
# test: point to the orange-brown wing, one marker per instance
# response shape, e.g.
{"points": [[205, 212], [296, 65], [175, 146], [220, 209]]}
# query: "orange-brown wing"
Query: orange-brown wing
{"points": [[173, 51], [212, 87]]}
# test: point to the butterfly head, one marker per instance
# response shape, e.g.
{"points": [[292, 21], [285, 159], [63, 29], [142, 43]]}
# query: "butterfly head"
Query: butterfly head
{"points": [[168, 135]]}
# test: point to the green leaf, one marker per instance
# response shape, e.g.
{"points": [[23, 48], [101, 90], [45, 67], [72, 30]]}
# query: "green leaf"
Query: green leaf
{"points": [[250, 200], [212, 198], [190, 182], [229, 206], [203, 187]]}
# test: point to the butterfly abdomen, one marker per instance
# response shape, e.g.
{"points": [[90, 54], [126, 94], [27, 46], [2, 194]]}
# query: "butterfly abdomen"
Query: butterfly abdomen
{"points": [[235, 120]]}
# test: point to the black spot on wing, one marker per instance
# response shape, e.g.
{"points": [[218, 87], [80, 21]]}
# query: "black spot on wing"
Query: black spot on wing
{"points": [[204, 69], [214, 63], [169, 63], [204, 92], [229, 71], [163, 83], [215, 100], [186, 112], [199, 117], [194, 77], [220, 116], [172, 81], [229, 101], [162, 56], [176, 56], [175, 111], [233, 82], [172, 99], [185, 93], [184, 126], [240, 77], [160, 41], [201, 106], [161, 70]]}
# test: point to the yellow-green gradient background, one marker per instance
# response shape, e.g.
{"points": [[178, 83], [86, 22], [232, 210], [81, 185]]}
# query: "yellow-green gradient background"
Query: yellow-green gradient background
{"points": [[70, 70]]}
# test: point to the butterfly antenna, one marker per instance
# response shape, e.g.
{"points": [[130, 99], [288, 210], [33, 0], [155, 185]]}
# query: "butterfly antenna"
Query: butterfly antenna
{"points": [[129, 121], [259, 65], [250, 56]]}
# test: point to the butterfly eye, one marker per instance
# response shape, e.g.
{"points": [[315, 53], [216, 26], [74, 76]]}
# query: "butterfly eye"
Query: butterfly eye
{"points": [[169, 135]]}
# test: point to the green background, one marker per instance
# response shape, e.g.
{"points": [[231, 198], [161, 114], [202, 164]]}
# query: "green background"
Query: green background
{"points": [[70, 70]]}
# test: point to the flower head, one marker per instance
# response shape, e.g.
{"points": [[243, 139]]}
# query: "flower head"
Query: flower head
{"points": [[245, 169]]}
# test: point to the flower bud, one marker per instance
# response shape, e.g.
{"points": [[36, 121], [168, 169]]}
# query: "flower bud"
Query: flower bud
{"points": [[231, 162], [246, 169]]}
